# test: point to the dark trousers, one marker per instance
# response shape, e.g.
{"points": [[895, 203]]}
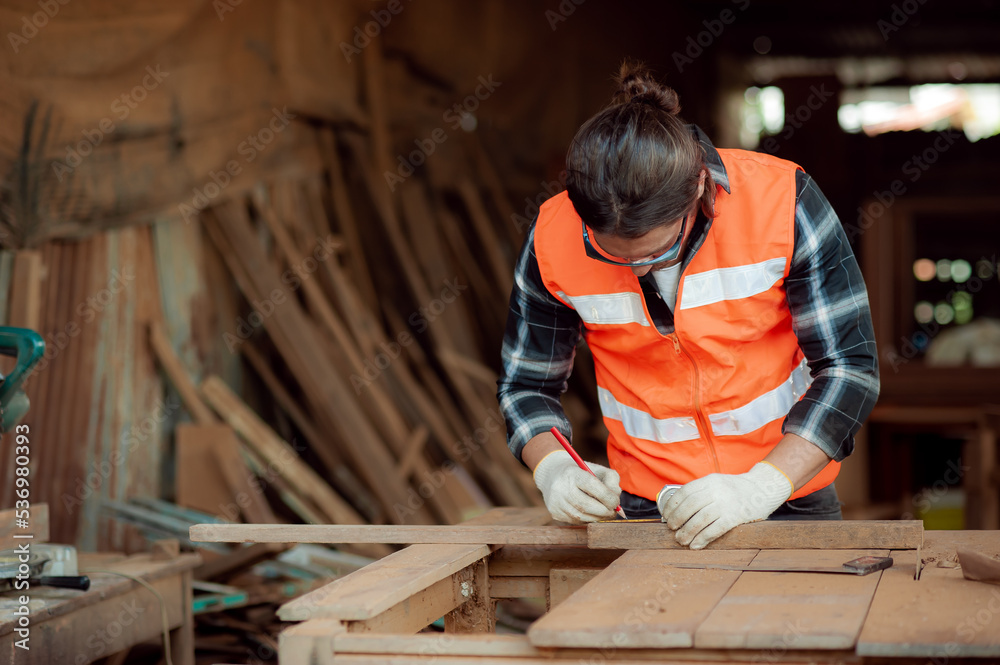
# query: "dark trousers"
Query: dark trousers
{"points": [[822, 504]]}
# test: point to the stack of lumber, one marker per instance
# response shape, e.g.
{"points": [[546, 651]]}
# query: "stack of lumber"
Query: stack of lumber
{"points": [[369, 325]]}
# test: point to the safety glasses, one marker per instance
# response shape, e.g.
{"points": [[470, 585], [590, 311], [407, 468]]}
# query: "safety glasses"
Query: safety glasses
{"points": [[595, 252]]}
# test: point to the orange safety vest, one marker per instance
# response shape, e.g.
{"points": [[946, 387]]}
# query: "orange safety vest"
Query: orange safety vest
{"points": [[711, 396]]}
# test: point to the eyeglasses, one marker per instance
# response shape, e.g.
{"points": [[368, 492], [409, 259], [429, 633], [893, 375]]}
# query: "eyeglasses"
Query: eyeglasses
{"points": [[595, 252]]}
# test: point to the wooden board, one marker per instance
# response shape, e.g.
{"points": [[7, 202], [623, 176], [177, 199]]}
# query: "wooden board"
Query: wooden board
{"points": [[774, 535], [564, 582], [399, 534], [379, 586], [791, 611], [941, 616], [640, 601]]}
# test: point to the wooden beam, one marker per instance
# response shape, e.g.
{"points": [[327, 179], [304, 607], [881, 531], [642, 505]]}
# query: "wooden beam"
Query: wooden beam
{"points": [[773, 535], [390, 534], [377, 587]]}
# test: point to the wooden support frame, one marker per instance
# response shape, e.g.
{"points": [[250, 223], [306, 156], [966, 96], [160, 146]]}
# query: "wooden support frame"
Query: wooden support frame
{"points": [[704, 615]]}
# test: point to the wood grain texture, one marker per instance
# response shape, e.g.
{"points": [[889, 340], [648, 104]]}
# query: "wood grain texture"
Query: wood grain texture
{"points": [[564, 582], [941, 616], [791, 611], [378, 533], [640, 601], [775, 535], [378, 586]]}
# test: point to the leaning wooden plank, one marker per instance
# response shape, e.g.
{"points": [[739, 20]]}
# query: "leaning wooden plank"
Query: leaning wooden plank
{"points": [[243, 485], [179, 376], [276, 452], [941, 616], [303, 351], [776, 535], [392, 534], [640, 601], [38, 526], [790, 611], [378, 586]]}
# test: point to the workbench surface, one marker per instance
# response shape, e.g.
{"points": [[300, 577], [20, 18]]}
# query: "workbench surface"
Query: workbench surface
{"points": [[620, 606]]}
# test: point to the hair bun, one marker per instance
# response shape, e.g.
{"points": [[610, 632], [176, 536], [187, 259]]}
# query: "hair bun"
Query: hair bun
{"points": [[636, 84]]}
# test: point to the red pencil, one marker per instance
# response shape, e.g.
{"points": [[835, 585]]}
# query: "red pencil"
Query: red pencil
{"points": [[580, 463]]}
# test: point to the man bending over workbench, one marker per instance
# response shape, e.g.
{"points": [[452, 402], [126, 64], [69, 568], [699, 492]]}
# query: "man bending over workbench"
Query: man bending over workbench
{"points": [[727, 317]]}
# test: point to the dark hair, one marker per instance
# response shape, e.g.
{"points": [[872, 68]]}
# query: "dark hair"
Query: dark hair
{"points": [[635, 166]]}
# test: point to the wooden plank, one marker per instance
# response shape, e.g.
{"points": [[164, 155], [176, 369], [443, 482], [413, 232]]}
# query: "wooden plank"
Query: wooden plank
{"points": [[941, 616], [521, 561], [179, 376], [394, 534], [415, 612], [276, 452], [564, 582], [790, 611], [365, 593], [199, 482], [640, 601], [519, 587], [513, 646], [309, 643], [378, 586], [38, 526], [240, 481], [771, 535], [508, 649]]}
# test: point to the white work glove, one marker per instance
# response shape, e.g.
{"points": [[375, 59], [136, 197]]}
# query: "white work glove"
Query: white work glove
{"points": [[708, 507], [571, 494]]}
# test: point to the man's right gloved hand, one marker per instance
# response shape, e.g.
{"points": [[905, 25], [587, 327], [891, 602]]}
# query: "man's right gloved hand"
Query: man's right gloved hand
{"points": [[571, 494]]}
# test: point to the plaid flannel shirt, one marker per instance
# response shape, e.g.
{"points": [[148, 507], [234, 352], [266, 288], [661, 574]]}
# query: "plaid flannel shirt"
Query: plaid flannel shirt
{"points": [[830, 316]]}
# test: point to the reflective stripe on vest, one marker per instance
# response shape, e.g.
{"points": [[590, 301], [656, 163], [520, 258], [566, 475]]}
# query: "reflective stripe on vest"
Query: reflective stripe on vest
{"points": [[734, 283], [609, 308], [770, 406], [641, 425]]}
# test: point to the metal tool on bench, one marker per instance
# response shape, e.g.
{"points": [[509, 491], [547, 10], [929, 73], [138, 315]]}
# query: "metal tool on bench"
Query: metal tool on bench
{"points": [[11, 571], [27, 347], [860, 566]]}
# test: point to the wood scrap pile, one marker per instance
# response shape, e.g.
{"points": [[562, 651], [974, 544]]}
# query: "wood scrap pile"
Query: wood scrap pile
{"points": [[369, 323]]}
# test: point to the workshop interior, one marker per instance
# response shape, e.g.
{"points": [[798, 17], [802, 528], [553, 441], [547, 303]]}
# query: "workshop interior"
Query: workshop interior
{"points": [[256, 273]]}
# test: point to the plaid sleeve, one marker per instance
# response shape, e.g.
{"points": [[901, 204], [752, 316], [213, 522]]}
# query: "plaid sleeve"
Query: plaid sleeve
{"points": [[538, 350], [832, 320]]}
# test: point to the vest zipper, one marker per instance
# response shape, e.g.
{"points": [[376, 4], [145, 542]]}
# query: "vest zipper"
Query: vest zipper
{"points": [[700, 418]]}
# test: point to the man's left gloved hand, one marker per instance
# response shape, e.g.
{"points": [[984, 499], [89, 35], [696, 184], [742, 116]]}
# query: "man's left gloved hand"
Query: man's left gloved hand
{"points": [[708, 507]]}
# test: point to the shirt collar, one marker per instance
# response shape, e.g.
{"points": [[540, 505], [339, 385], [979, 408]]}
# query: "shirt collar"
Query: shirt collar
{"points": [[713, 162]]}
